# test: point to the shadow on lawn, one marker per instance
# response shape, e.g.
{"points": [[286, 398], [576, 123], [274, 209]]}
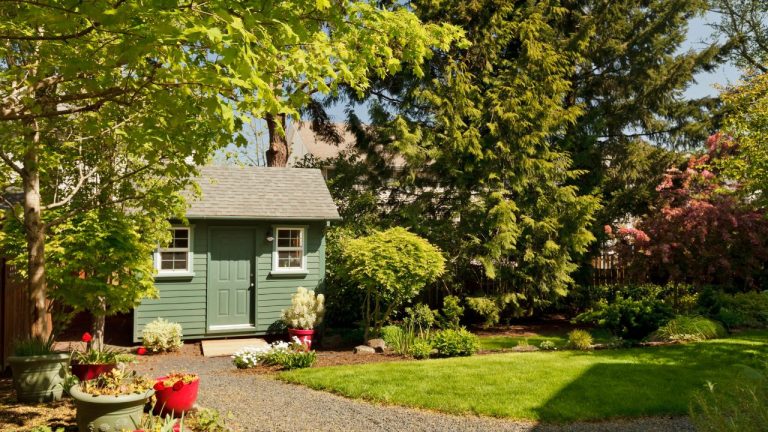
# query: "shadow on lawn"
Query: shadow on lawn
{"points": [[650, 381]]}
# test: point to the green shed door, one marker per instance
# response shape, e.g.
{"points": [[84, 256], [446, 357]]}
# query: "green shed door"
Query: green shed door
{"points": [[231, 278]]}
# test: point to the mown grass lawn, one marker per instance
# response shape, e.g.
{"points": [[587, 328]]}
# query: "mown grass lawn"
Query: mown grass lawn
{"points": [[506, 342], [548, 386]]}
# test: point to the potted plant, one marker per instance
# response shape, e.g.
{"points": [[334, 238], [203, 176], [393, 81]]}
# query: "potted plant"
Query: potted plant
{"points": [[176, 393], [38, 371], [91, 362], [154, 423], [306, 312], [112, 401]]}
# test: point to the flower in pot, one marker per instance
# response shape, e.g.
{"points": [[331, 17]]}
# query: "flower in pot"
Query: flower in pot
{"points": [[306, 312], [112, 401], [155, 423], [176, 393], [91, 362], [38, 371]]}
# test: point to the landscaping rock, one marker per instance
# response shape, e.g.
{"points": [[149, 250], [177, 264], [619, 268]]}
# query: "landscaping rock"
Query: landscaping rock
{"points": [[362, 349], [377, 344]]}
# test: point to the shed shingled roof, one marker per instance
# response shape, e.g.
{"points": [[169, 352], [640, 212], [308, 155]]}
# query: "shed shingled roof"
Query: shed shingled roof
{"points": [[262, 193]]}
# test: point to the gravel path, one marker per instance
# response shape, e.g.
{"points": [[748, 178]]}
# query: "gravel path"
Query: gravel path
{"points": [[262, 403]]}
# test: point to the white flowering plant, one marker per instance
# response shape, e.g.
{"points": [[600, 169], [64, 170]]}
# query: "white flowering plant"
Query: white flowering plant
{"points": [[288, 355], [162, 335], [306, 311]]}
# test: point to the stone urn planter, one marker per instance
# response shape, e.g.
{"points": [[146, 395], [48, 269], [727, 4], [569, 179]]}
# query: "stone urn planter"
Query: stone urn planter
{"points": [[39, 378], [108, 413], [85, 372]]}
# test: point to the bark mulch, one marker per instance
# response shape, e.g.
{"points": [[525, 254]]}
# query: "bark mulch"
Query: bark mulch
{"points": [[21, 417]]}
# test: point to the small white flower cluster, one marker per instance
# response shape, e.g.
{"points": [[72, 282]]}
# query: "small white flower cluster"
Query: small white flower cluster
{"points": [[306, 311], [249, 357]]}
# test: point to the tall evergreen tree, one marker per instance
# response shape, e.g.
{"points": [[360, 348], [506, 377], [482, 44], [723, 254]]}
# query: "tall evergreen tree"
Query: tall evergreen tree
{"points": [[478, 173]]}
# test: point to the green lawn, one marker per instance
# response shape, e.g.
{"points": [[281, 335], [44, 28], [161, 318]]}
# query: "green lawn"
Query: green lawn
{"points": [[549, 386], [505, 342]]}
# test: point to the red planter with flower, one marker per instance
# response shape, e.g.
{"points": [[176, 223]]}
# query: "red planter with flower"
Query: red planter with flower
{"points": [[91, 362], [306, 312], [176, 393], [304, 336], [85, 372]]}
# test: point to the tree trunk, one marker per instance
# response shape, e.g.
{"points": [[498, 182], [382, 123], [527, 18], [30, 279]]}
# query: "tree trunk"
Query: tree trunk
{"points": [[35, 236], [278, 152], [99, 320]]}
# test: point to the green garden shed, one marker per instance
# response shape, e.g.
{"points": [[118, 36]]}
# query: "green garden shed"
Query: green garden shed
{"points": [[253, 237]]}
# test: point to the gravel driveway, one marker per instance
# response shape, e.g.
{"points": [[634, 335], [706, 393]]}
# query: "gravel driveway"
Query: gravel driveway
{"points": [[262, 403]]}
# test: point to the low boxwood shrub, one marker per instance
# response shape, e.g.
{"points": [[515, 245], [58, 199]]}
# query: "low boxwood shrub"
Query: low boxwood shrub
{"points": [[547, 346], [632, 317], [579, 340], [690, 328], [420, 349], [454, 343], [162, 335]]}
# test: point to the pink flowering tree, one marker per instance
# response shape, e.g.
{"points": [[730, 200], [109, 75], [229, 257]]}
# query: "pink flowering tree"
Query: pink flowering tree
{"points": [[700, 231]]}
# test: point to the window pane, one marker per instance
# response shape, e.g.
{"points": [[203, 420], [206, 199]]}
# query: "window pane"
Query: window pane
{"points": [[173, 261], [289, 259], [289, 237], [180, 238]]}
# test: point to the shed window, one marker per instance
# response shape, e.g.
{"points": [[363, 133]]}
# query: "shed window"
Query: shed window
{"points": [[289, 254], [176, 256]]}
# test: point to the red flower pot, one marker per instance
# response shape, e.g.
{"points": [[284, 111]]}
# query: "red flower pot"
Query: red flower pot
{"points": [[175, 399], [85, 372], [305, 336]]}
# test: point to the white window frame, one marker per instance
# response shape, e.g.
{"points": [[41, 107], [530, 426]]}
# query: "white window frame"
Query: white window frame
{"points": [[189, 271], [275, 255]]}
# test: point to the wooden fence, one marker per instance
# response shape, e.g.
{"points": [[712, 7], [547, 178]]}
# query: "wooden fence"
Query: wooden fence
{"points": [[607, 269], [15, 310]]}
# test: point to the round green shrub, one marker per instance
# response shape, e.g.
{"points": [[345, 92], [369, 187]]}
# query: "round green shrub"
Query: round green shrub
{"points": [[547, 346], [455, 343], [580, 340], [420, 349]]}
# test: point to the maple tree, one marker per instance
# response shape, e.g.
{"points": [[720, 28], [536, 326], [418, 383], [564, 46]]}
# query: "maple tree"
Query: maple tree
{"points": [[701, 231]]}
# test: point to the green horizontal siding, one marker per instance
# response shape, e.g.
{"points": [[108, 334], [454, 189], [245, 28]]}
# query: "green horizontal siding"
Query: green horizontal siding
{"points": [[184, 300]]}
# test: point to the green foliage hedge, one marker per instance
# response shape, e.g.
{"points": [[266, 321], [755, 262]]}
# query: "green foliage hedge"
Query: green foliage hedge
{"points": [[631, 315], [744, 310], [486, 308], [455, 343]]}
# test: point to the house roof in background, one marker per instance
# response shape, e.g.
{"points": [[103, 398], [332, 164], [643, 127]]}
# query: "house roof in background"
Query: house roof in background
{"points": [[237, 192]]}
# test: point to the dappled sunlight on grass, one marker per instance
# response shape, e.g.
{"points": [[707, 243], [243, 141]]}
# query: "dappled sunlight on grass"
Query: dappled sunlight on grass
{"points": [[551, 386]]}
